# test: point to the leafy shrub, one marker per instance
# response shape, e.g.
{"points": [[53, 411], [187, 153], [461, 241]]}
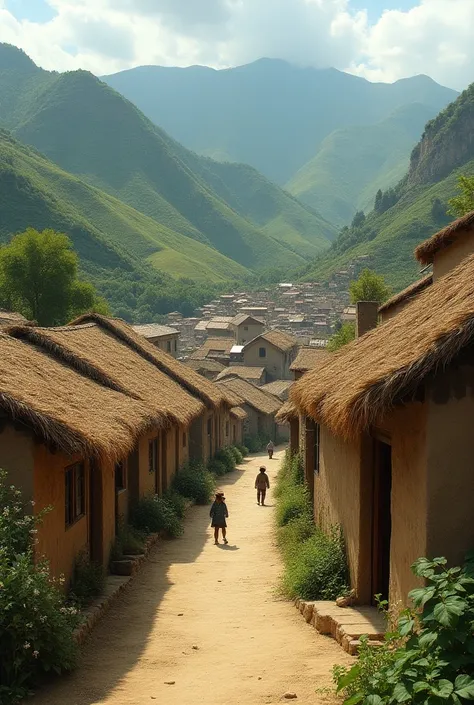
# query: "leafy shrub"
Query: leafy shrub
{"points": [[238, 456], [294, 533], [217, 467], [243, 450], [128, 542], [254, 443], [292, 503], [317, 569], [155, 514], [291, 474], [435, 661], [195, 482], [36, 625], [225, 456], [177, 501], [88, 580]]}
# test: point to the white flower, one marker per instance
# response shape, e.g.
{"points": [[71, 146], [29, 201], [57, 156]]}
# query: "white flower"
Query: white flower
{"points": [[26, 645], [36, 592], [43, 619], [29, 625], [36, 654], [32, 502]]}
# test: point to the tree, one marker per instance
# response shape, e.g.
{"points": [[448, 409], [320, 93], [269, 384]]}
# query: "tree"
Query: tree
{"points": [[369, 287], [464, 202], [378, 201], [38, 278], [344, 335], [358, 219]]}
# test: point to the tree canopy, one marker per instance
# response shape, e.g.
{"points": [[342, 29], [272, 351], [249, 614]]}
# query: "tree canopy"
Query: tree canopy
{"points": [[464, 202], [369, 287], [344, 335], [38, 278]]}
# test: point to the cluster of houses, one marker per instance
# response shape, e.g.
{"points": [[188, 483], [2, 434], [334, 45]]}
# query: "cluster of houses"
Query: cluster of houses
{"points": [[92, 417], [385, 424]]}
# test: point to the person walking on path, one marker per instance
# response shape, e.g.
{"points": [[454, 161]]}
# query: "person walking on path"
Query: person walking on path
{"points": [[219, 514], [270, 449], [262, 483]]}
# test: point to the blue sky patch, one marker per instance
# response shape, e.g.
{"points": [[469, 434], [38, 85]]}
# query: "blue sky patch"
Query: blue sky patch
{"points": [[33, 10], [376, 7]]}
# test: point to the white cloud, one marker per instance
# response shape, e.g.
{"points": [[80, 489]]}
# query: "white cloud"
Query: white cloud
{"points": [[434, 37]]}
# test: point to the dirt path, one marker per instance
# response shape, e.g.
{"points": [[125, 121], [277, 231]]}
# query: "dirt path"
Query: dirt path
{"points": [[251, 647]]}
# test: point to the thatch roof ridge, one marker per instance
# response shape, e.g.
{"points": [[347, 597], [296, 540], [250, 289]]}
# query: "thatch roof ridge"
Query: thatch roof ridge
{"points": [[238, 413], [407, 293], [192, 382], [100, 355], [36, 390], [287, 412], [244, 371], [426, 251], [367, 378], [253, 396], [309, 358]]}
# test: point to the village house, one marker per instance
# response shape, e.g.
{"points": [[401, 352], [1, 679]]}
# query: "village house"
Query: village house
{"points": [[215, 349], [207, 368], [259, 406], [246, 328], [273, 350], [388, 429], [279, 388], [162, 337], [219, 326], [398, 302], [254, 375]]}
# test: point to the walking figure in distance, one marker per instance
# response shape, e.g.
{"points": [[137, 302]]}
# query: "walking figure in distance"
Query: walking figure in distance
{"points": [[262, 483], [219, 514], [270, 448]]}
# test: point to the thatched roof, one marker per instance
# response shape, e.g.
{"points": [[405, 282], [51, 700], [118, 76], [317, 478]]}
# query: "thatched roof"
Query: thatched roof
{"points": [[279, 388], [154, 330], [309, 359], [251, 395], [238, 413], [406, 294], [251, 373], [207, 365], [243, 317], [194, 383], [280, 340], [367, 378], [287, 412], [426, 252], [97, 353], [64, 408], [214, 347], [11, 317]]}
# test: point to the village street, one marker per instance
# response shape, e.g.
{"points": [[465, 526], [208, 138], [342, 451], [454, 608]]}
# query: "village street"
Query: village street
{"points": [[206, 620]]}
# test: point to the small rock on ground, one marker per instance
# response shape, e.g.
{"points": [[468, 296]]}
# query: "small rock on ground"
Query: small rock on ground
{"points": [[290, 696]]}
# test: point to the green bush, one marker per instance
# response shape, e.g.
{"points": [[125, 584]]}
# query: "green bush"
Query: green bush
{"points": [[88, 580], [155, 514], [292, 503], [225, 456], [177, 501], [217, 467], [317, 568], [243, 450], [429, 658], [238, 456], [196, 483], [36, 624], [255, 443], [128, 542], [294, 533]]}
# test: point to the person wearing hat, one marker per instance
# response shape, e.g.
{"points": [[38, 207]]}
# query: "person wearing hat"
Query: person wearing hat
{"points": [[262, 483], [219, 514]]}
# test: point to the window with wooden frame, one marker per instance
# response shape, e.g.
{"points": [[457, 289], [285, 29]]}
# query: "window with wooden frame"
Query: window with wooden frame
{"points": [[121, 476], [316, 448], [75, 493], [153, 455]]}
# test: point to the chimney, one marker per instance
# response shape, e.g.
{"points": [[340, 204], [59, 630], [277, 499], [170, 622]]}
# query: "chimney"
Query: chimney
{"points": [[366, 316]]}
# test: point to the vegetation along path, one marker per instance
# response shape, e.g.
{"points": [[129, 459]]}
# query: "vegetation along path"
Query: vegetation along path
{"points": [[202, 623]]}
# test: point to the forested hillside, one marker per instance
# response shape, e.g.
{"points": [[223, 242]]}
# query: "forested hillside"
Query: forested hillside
{"points": [[91, 131], [416, 208]]}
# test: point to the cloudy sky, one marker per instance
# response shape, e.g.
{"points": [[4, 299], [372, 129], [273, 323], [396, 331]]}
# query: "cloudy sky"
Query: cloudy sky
{"points": [[380, 39]]}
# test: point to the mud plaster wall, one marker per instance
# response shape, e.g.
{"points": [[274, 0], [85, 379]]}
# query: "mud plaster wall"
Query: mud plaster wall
{"points": [[451, 256], [17, 459]]}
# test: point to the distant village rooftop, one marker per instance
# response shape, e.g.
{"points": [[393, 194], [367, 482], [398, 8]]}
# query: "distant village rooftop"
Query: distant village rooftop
{"points": [[154, 330]]}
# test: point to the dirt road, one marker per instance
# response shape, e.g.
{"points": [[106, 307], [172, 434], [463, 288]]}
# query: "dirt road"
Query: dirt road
{"points": [[206, 619]]}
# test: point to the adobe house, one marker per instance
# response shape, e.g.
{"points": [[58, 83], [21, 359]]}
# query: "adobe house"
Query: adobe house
{"points": [[96, 352], [273, 350], [61, 437], [207, 368], [237, 420], [397, 303], [162, 337], [246, 327], [392, 442], [219, 327], [254, 375], [217, 349], [259, 406]]}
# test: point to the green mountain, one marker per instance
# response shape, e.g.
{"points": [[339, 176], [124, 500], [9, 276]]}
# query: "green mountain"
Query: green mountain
{"points": [[269, 114], [416, 208], [354, 162], [91, 131]]}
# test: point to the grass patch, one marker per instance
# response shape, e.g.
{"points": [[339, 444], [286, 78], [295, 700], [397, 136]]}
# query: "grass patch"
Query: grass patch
{"points": [[315, 561]]}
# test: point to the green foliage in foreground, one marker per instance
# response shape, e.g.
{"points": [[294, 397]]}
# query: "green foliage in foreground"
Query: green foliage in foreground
{"points": [[369, 287], [429, 658], [36, 624], [315, 562], [155, 514], [195, 482], [344, 335], [38, 277]]}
